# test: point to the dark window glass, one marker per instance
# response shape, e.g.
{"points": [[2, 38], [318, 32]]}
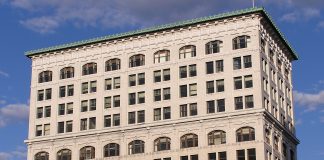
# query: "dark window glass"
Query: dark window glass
{"points": [[131, 118], [210, 106], [183, 91], [209, 67], [237, 63], [240, 154], [238, 103]]}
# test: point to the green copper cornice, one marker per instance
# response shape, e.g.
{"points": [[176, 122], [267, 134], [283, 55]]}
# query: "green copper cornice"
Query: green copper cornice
{"points": [[164, 27]]}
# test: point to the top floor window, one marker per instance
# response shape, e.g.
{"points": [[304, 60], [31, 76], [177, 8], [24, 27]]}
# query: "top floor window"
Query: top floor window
{"points": [[113, 64], [187, 51], [45, 76], [161, 56], [213, 47], [240, 42], [89, 68], [67, 72], [137, 60]]}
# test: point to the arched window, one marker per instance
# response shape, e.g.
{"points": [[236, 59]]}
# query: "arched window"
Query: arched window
{"points": [[162, 143], [245, 134], [187, 51], [111, 149], [45, 76], [67, 72], [136, 147], [113, 64], [64, 154], [137, 60], [87, 152], [240, 42], [216, 137], [189, 140], [213, 47], [89, 68], [42, 156], [161, 56]]}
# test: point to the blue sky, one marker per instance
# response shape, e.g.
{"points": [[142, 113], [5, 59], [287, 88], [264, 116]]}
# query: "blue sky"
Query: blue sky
{"points": [[32, 24]]}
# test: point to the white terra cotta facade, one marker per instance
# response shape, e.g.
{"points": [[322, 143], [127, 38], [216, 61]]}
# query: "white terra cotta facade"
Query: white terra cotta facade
{"points": [[272, 99]]}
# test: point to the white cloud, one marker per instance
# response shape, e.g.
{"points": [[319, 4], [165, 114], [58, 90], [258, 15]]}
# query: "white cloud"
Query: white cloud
{"points": [[2, 102], [19, 154], [41, 24], [301, 14], [309, 101], [13, 113], [4, 74]]}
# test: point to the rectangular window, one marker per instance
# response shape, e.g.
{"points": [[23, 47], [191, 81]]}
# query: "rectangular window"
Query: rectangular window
{"points": [[61, 109], [39, 112], [141, 78], [69, 126], [140, 116], [47, 129], [48, 94], [84, 88], [141, 97], [84, 106], [92, 123], [210, 67], [251, 154], [192, 70], [248, 81], [107, 121], [184, 158], [157, 95], [60, 127], [93, 104], [237, 63], [39, 130], [183, 110], [183, 91], [157, 114], [131, 118], [40, 95], [193, 109], [240, 154], [108, 84], [132, 80], [210, 87], [83, 124], [107, 102], [211, 156], [222, 156], [116, 82], [47, 111], [166, 112], [166, 93], [193, 89], [249, 101], [237, 82], [116, 100], [210, 106], [157, 76], [238, 103], [220, 85], [194, 157], [62, 91], [247, 61], [93, 86], [116, 119], [70, 90], [221, 105], [69, 108], [183, 71], [131, 98], [166, 75], [219, 66]]}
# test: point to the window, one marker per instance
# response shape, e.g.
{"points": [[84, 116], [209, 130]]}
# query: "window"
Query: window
{"points": [[166, 74], [240, 42], [248, 81], [113, 64], [107, 102], [267, 135], [39, 113], [89, 68], [42, 156], [67, 72], [249, 101], [157, 114], [92, 123], [222, 156], [194, 157], [166, 112], [237, 64], [210, 67], [108, 84], [189, 140], [276, 142], [213, 47], [210, 106], [211, 156], [93, 86], [216, 137], [251, 154], [183, 110], [136, 147], [111, 149], [183, 91], [157, 95], [62, 91], [48, 94], [84, 106], [47, 129], [292, 155], [137, 60], [193, 89], [45, 76], [39, 130], [245, 134], [237, 82], [187, 51], [247, 61], [284, 150], [161, 56], [61, 109], [116, 82], [70, 90], [141, 78], [240, 154], [60, 127], [92, 105], [47, 111], [141, 116], [221, 105], [87, 152], [157, 76], [162, 144], [83, 124], [69, 126], [166, 93], [132, 80], [141, 97], [210, 87], [192, 70], [193, 109], [219, 66], [84, 88], [107, 121], [183, 71], [131, 118], [116, 100], [40, 95], [238, 103], [116, 119], [220, 85], [64, 154], [132, 98]]}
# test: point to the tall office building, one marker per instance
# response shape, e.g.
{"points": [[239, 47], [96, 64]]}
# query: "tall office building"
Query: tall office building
{"points": [[212, 88]]}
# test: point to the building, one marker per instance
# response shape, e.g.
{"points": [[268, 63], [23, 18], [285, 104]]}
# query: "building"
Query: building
{"points": [[217, 87]]}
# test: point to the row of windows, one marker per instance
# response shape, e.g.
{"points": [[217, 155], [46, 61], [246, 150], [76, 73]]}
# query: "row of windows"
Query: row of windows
{"points": [[139, 59], [212, 106], [215, 137]]}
